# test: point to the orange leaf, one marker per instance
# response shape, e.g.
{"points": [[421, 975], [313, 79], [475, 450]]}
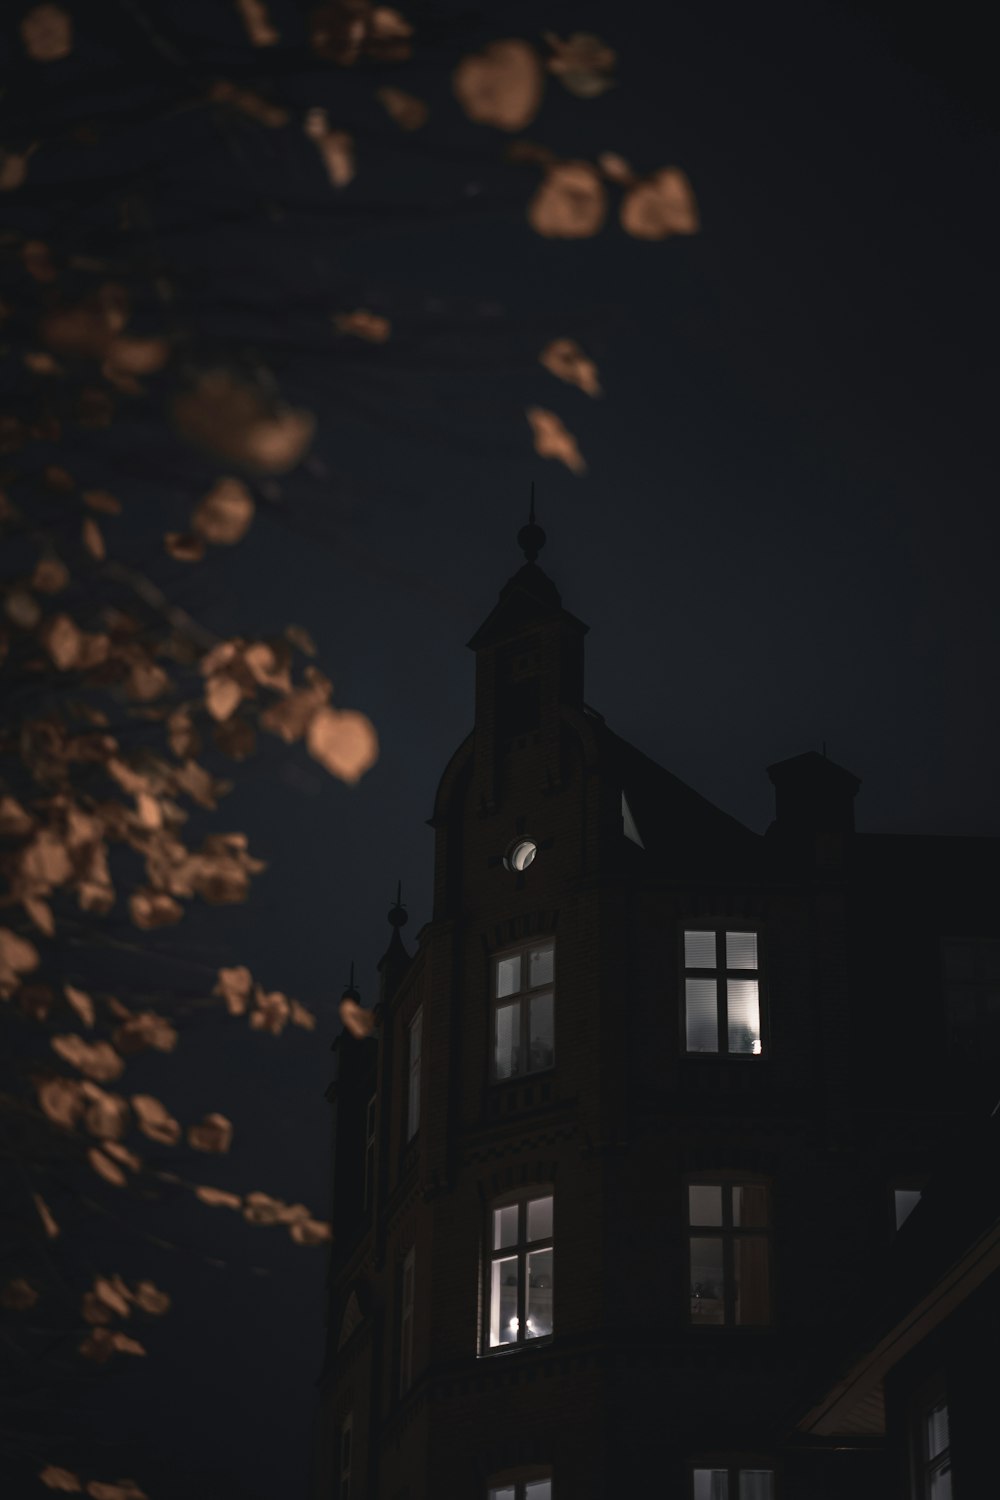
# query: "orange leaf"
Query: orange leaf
{"points": [[93, 540], [151, 1300], [14, 821], [122, 1154], [122, 1489], [310, 1232], [303, 1017], [215, 1133], [55, 1478], [106, 1168], [146, 1029], [101, 500], [224, 516], [47, 34], [154, 909], [106, 1115], [48, 1222], [61, 1099], [22, 609], [257, 22], [217, 1198], [184, 546], [364, 325], [552, 440], [564, 359], [662, 205], [96, 1060], [344, 742], [336, 147], [155, 1120], [409, 112], [502, 85], [571, 202], [17, 957], [581, 63], [234, 985], [359, 1022], [81, 1003]]}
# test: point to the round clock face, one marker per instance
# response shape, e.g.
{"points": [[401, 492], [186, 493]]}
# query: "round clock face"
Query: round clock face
{"points": [[521, 855]]}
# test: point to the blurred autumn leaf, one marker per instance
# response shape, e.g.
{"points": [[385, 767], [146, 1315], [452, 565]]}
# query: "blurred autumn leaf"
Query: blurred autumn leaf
{"points": [[552, 440]]}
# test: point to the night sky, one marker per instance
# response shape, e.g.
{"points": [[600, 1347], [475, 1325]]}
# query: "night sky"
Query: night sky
{"points": [[785, 537]]}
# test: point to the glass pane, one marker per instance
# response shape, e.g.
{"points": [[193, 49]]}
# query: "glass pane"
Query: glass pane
{"points": [[538, 1489], [711, 1484], [538, 1312], [940, 1483], [541, 1029], [701, 1015], [744, 1015], [505, 1492], [741, 950], [505, 1226], [705, 1204], [906, 1201], [699, 951], [540, 1218], [540, 966], [937, 1430], [750, 1272], [506, 1048], [756, 1484], [750, 1205], [707, 1305], [503, 1302], [416, 1031], [508, 976]]}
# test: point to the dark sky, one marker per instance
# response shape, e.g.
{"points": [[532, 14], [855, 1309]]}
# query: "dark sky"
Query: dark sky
{"points": [[786, 535]]}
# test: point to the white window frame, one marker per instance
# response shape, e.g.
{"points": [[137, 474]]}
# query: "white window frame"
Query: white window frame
{"points": [[414, 1052], [518, 1250], [406, 1304], [522, 998], [932, 1397], [722, 974], [345, 1457]]}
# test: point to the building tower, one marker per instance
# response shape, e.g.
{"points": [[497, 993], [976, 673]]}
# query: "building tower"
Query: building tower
{"points": [[625, 1143]]}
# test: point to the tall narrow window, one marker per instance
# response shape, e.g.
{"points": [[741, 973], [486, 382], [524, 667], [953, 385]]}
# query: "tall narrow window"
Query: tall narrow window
{"points": [[933, 1447], [369, 1153], [406, 1324], [523, 1010], [729, 1253], [346, 1442], [730, 1482], [519, 1272], [722, 993], [413, 1093]]}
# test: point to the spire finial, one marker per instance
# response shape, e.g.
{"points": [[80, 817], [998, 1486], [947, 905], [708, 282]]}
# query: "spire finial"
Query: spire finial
{"points": [[350, 993], [397, 912], [531, 538]]}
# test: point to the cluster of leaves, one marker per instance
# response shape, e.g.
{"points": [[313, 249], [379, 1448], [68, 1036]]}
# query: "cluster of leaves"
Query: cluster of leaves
{"points": [[120, 709]]}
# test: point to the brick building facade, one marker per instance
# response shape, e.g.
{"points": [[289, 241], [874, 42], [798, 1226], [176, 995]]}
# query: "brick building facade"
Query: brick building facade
{"points": [[639, 1114]]}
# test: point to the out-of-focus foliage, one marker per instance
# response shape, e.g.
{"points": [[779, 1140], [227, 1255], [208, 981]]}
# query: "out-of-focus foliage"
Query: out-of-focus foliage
{"points": [[125, 719]]}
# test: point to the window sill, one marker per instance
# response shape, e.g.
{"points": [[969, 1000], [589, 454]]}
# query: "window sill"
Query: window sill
{"points": [[502, 1350]]}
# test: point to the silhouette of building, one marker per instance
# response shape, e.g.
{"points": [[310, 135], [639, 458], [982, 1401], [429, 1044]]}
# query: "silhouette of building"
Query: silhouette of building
{"points": [[641, 1118]]}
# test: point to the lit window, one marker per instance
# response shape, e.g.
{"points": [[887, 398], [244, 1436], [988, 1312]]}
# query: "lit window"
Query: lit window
{"points": [[628, 824], [521, 855], [519, 1272], [722, 993], [369, 1153], [346, 1435], [414, 1036], [539, 1488], [523, 1010], [904, 1201], [728, 1253], [733, 1483], [406, 1325]]}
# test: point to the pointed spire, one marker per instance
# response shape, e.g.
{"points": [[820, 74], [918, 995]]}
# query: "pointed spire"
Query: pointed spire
{"points": [[531, 538]]}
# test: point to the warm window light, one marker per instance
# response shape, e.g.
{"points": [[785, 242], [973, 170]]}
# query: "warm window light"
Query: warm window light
{"points": [[521, 855], [756, 1048]]}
